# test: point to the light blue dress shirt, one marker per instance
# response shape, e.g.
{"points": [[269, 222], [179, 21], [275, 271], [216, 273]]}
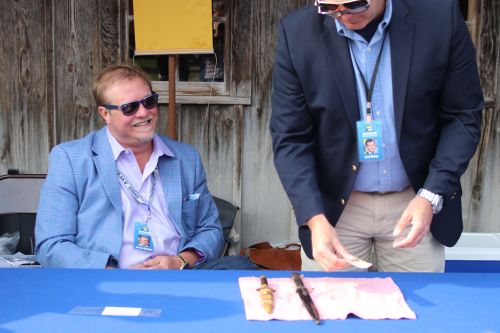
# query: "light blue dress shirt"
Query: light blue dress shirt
{"points": [[388, 174]]}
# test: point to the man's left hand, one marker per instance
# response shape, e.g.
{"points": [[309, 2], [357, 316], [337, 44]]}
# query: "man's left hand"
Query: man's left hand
{"points": [[418, 214], [160, 262]]}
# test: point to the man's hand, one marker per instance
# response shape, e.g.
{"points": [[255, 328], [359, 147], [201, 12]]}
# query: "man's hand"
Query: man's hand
{"points": [[160, 262], [326, 247], [169, 262], [418, 214]]}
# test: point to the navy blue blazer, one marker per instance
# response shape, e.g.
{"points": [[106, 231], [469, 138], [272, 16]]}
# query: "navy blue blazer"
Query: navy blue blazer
{"points": [[438, 106]]}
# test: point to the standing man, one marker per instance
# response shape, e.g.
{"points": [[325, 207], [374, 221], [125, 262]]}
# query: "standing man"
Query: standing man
{"points": [[126, 197], [402, 73]]}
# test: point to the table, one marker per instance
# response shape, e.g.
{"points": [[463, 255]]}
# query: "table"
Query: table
{"points": [[39, 300]]}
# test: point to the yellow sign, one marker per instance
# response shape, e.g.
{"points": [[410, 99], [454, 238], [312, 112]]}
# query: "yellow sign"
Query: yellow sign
{"points": [[173, 26]]}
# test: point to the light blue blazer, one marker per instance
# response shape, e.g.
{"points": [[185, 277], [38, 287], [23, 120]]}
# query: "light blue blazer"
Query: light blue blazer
{"points": [[79, 218]]}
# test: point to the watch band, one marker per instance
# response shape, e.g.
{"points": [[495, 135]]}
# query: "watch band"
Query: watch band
{"points": [[184, 262], [435, 200], [112, 262]]}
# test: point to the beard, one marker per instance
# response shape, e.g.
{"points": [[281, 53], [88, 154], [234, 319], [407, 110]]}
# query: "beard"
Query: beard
{"points": [[146, 137]]}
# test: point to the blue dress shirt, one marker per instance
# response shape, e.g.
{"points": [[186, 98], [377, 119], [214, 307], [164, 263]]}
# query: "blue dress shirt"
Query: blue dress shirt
{"points": [[388, 174]]}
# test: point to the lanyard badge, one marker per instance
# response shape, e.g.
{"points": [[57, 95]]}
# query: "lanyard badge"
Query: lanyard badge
{"points": [[369, 132], [369, 140], [142, 237]]}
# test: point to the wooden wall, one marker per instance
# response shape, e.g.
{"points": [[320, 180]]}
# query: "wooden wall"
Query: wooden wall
{"points": [[49, 51], [26, 89], [481, 182]]}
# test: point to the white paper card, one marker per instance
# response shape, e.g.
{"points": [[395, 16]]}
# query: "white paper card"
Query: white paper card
{"points": [[359, 263], [121, 311]]}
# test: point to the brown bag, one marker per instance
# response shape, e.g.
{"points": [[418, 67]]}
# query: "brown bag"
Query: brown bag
{"points": [[274, 258]]}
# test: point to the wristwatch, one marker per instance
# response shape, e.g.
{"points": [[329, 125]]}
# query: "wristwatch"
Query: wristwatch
{"points": [[435, 199], [112, 262], [184, 262]]}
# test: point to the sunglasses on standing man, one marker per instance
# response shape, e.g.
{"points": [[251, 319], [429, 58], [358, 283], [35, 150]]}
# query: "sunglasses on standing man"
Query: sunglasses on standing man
{"points": [[327, 7]]}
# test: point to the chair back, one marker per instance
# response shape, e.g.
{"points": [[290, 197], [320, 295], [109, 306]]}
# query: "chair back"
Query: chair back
{"points": [[227, 216], [19, 195]]}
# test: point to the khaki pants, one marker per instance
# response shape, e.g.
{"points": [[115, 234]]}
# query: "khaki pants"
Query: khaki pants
{"points": [[365, 229]]}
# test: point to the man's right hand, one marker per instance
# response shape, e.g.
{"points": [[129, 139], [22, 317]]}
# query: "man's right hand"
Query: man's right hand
{"points": [[326, 247]]}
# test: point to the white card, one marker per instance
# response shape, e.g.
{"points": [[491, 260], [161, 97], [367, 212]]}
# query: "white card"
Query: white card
{"points": [[359, 263], [121, 311]]}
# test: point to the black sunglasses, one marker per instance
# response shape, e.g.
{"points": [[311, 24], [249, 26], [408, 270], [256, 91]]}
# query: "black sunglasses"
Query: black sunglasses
{"points": [[130, 108], [352, 7]]}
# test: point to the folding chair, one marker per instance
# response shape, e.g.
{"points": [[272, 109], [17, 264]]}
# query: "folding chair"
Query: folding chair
{"points": [[227, 216], [19, 194]]}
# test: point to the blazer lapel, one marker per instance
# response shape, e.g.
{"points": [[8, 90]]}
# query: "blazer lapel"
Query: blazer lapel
{"points": [[106, 167], [400, 32], [171, 181], [339, 58]]}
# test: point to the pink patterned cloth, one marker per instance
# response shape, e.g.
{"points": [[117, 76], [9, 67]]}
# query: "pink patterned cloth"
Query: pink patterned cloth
{"points": [[335, 298]]}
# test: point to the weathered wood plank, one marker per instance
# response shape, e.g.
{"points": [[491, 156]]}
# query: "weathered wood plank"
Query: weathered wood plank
{"points": [[199, 93], [239, 58], [267, 213], [481, 181], [24, 90], [488, 46], [87, 38]]}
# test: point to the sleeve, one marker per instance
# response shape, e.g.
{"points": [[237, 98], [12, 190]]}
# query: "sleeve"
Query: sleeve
{"points": [[56, 221], [293, 138], [461, 105]]}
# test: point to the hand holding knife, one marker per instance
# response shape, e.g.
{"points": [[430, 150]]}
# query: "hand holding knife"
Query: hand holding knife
{"points": [[305, 297]]}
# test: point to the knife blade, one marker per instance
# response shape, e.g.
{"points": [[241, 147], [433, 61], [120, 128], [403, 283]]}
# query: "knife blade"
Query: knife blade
{"points": [[305, 297], [266, 295]]}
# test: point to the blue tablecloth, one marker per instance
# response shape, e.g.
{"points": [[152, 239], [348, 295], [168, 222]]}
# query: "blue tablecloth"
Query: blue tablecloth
{"points": [[40, 300]]}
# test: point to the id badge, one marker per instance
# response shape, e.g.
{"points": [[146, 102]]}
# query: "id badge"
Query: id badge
{"points": [[369, 140], [142, 237]]}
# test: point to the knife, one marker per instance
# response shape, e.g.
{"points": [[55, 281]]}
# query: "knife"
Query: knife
{"points": [[305, 297], [266, 295]]}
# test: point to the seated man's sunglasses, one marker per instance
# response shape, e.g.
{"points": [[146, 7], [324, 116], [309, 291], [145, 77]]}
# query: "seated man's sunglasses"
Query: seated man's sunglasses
{"points": [[332, 9], [130, 108]]}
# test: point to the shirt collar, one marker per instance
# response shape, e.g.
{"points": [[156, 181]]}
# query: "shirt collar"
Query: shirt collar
{"points": [[159, 147], [343, 31]]}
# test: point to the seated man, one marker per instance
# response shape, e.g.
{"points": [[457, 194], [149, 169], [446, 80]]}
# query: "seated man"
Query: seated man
{"points": [[126, 197]]}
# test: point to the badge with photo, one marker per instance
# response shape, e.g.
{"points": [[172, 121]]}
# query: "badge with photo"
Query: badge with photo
{"points": [[369, 141], [142, 237]]}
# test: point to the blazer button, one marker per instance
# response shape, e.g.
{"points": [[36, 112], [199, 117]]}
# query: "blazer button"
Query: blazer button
{"points": [[354, 168], [342, 201]]}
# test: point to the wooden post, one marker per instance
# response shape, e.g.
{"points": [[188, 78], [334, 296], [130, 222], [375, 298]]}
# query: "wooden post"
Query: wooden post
{"points": [[171, 115]]}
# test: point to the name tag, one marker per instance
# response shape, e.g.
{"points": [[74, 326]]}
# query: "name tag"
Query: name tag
{"points": [[142, 237], [369, 140]]}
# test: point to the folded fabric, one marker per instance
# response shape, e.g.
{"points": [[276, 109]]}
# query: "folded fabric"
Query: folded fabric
{"points": [[335, 298]]}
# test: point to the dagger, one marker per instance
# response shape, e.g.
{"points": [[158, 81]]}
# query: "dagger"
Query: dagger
{"points": [[305, 297], [266, 295]]}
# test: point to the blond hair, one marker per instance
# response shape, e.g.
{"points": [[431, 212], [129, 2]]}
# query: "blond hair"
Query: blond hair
{"points": [[113, 73]]}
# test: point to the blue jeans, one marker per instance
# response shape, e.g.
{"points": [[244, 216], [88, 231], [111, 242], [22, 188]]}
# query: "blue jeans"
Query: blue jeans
{"points": [[228, 262]]}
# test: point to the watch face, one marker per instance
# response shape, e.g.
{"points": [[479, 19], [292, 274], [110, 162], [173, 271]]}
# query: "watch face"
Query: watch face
{"points": [[439, 205]]}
